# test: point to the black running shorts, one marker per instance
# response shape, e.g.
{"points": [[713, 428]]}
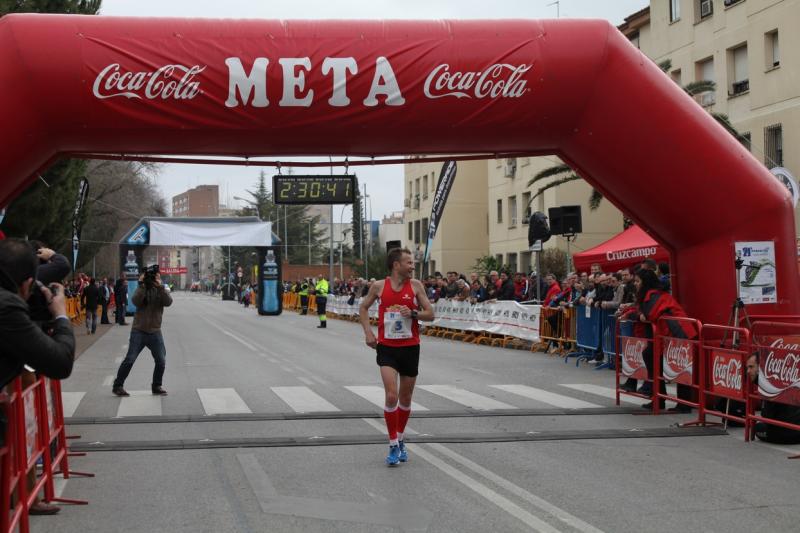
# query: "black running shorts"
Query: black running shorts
{"points": [[404, 359]]}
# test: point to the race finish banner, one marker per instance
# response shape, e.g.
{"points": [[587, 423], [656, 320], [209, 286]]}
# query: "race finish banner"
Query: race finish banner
{"points": [[83, 193], [446, 178]]}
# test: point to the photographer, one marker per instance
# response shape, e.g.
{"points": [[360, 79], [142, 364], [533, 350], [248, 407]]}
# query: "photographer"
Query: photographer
{"points": [[150, 300]]}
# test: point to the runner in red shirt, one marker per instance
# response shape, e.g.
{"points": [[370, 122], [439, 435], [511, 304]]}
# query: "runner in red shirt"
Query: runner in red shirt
{"points": [[402, 304]]}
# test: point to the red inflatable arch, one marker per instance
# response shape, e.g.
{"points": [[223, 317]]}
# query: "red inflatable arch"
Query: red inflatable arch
{"points": [[578, 89]]}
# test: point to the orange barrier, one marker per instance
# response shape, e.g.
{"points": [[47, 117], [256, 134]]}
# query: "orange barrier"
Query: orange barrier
{"points": [[34, 434], [557, 327]]}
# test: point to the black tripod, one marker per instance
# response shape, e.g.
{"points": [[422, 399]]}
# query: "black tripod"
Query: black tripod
{"points": [[737, 309]]}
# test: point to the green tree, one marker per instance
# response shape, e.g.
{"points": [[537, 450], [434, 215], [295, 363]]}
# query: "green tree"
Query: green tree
{"points": [[563, 173], [70, 7]]}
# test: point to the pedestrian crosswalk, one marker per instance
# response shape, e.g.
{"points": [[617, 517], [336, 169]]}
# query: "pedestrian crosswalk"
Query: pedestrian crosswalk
{"points": [[314, 397]]}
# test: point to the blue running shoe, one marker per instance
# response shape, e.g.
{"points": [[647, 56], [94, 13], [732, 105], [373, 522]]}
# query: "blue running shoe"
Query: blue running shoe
{"points": [[403, 453], [393, 459]]}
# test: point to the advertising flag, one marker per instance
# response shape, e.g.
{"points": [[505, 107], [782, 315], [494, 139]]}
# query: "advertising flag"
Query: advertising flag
{"points": [[446, 178], [83, 193]]}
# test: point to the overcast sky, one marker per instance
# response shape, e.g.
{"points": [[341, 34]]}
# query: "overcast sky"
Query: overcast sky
{"points": [[384, 183]]}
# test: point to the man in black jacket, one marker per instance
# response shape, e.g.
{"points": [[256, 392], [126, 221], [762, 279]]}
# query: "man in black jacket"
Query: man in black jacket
{"points": [[90, 299], [121, 299], [22, 341]]}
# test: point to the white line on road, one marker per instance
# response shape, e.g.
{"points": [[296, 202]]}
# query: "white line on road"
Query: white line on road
{"points": [[231, 335], [306, 380], [70, 401], [108, 381], [375, 395], [480, 371], [287, 369], [606, 392], [218, 401], [119, 359], [465, 397], [304, 400], [502, 502], [544, 396], [140, 403], [518, 491]]}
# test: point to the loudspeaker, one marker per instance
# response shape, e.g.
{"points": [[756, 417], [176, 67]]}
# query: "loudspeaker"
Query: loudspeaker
{"points": [[565, 220], [393, 244], [537, 228]]}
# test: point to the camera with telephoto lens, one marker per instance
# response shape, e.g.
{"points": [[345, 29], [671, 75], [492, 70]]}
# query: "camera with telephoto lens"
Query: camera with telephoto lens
{"points": [[150, 275]]}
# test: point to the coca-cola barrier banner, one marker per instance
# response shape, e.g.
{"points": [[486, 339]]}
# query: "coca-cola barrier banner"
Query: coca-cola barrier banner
{"points": [[727, 374], [677, 359], [632, 349], [779, 370]]}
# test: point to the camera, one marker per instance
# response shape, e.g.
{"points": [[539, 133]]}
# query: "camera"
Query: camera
{"points": [[150, 274]]}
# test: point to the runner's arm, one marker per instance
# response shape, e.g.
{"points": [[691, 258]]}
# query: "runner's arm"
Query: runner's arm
{"points": [[422, 298]]}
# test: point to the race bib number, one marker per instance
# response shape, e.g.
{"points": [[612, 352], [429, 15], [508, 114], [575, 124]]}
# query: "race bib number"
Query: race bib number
{"points": [[395, 326]]}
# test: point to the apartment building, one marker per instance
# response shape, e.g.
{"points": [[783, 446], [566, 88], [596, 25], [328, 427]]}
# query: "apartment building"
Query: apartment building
{"points": [[510, 207], [749, 48], [463, 234]]}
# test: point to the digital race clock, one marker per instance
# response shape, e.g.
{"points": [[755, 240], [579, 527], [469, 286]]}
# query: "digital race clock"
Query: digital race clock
{"points": [[293, 189]]}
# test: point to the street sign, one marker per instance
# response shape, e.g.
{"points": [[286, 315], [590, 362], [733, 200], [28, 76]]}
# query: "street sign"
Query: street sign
{"points": [[536, 246]]}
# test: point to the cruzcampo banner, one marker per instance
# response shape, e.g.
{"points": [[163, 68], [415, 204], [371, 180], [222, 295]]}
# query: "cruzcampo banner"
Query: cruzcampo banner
{"points": [[446, 178], [83, 193]]}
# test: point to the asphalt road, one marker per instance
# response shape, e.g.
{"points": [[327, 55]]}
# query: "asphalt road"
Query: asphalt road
{"points": [[274, 425]]}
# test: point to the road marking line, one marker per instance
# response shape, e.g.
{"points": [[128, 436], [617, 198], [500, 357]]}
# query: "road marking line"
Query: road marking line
{"points": [[70, 401], [119, 359], [544, 396], [518, 491], [303, 399], [465, 397], [108, 381], [502, 502], [225, 400], [287, 369], [306, 380], [231, 335], [606, 392], [376, 395], [140, 403]]}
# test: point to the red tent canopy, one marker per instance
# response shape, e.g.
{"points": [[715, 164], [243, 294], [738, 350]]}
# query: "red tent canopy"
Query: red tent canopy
{"points": [[628, 248]]}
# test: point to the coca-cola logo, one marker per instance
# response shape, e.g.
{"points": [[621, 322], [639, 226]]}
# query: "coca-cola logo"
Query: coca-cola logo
{"points": [[500, 80], [174, 82], [780, 369], [727, 372], [678, 354]]}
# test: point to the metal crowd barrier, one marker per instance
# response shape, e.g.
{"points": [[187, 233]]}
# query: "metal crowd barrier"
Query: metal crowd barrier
{"points": [[609, 340], [589, 330], [34, 436], [677, 360]]}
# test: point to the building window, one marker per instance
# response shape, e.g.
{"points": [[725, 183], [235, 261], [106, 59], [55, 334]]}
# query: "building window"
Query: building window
{"points": [[746, 140], [425, 186], [499, 258], [526, 205], [773, 146], [674, 10], [500, 211], [737, 67], [512, 211], [704, 9], [772, 49], [424, 230], [635, 39], [525, 262], [416, 231], [704, 71], [410, 231], [676, 76], [416, 188], [512, 262]]}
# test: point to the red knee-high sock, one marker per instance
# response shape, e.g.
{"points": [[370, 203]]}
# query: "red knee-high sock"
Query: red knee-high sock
{"points": [[390, 415], [403, 413]]}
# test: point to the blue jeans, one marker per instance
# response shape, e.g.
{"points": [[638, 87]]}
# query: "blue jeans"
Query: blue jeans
{"points": [[139, 341]]}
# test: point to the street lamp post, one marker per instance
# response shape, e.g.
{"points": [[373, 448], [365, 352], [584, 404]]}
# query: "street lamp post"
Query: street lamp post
{"points": [[309, 242]]}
